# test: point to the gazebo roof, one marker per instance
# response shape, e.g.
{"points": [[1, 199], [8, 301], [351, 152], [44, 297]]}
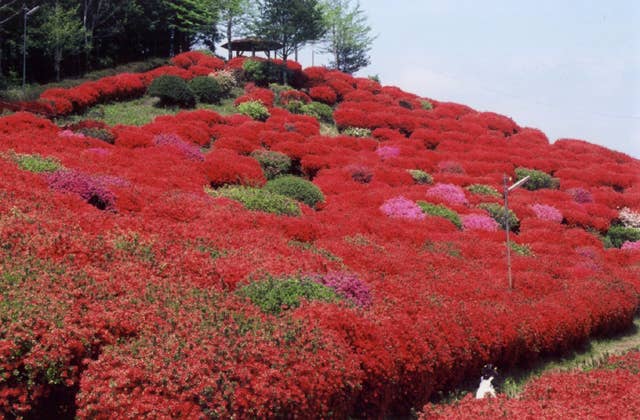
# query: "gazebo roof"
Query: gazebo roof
{"points": [[252, 44]]}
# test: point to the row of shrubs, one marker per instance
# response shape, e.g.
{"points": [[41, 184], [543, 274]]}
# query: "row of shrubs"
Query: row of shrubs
{"points": [[278, 196], [175, 91]]}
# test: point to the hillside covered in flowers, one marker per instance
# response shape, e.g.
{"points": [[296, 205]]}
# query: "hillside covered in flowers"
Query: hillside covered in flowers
{"points": [[332, 249]]}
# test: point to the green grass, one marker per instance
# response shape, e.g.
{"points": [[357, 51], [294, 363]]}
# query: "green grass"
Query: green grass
{"points": [[140, 111]]}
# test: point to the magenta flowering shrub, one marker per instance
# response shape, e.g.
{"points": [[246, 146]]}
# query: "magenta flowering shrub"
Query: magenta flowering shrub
{"points": [[546, 212], [92, 189], [402, 208], [360, 173], [450, 193], [479, 222], [347, 285], [387, 152], [190, 151], [580, 195], [631, 246], [70, 134]]}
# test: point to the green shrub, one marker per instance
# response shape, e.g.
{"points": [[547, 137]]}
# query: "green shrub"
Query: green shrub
{"points": [[273, 163], [277, 88], [259, 200], [482, 189], [521, 249], [537, 179], [497, 212], [356, 132], [206, 89], [226, 80], [273, 295], [295, 107], [296, 188], [37, 163], [420, 176], [440, 210], [426, 105], [320, 111], [254, 109], [617, 235], [172, 90], [98, 133], [262, 72]]}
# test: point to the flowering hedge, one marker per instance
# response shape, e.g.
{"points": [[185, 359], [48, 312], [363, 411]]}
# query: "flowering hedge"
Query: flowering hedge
{"points": [[134, 311]]}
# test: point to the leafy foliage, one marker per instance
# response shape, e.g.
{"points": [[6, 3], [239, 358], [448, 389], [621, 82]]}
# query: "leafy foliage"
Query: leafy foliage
{"points": [[297, 188], [36, 163], [440, 210], [420, 176], [273, 163], [172, 90], [499, 214], [207, 89], [482, 189], [322, 112], [537, 179], [254, 109], [618, 235], [259, 200], [273, 295]]}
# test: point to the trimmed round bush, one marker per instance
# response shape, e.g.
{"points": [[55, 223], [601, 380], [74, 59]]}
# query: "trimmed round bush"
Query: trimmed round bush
{"points": [[420, 176], [482, 189], [273, 163], [618, 235], [296, 188], [294, 107], [498, 213], [439, 210], [172, 90], [259, 200], [254, 109], [206, 89], [402, 208], [537, 179], [226, 80], [36, 163], [320, 111], [273, 295]]}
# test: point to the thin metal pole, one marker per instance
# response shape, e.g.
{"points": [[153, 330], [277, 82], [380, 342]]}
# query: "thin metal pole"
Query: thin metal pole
{"points": [[507, 228]]}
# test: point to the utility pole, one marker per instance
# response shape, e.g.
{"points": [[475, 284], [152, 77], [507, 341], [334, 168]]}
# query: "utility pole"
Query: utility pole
{"points": [[507, 228]]}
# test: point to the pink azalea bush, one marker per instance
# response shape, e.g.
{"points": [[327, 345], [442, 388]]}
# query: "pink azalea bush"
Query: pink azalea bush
{"points": [[580, 195], [172, 140], [546, 212], [92, 189], [631, 246], [347, 285], [479, 222], [450, 193], [402, 208], [387, 152]]}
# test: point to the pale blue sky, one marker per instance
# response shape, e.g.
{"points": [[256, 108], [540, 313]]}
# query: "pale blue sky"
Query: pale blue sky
{"points": [[569, 68]]}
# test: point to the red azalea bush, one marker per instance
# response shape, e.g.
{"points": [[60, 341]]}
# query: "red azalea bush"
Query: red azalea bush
{"points": [[223, 166]]}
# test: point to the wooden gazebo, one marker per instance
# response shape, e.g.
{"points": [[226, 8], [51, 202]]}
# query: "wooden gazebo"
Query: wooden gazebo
{"points": [[240, 46]]}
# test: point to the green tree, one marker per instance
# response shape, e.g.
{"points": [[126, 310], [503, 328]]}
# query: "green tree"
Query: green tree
{"points": [[290, 22], [348, 36], [233, 15], [60, 33], [187, 18]]}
